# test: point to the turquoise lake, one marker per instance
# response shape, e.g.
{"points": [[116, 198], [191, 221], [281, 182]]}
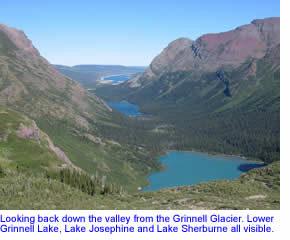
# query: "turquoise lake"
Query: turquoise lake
{"points": [[187, 168], [126, 108]]}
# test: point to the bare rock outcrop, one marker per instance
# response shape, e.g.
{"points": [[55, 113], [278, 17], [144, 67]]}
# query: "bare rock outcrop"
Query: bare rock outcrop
{"points": [[33, 132]]}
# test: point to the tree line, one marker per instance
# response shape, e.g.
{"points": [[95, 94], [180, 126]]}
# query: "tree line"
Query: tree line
{"points": [[86, 183]]}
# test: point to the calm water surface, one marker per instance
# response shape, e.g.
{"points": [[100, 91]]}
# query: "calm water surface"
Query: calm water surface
{"points": [[126, 108], [187, 168]]}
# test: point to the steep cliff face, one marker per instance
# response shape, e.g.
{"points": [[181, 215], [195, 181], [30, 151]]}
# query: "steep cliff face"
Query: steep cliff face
{"points": [[213, 51]]}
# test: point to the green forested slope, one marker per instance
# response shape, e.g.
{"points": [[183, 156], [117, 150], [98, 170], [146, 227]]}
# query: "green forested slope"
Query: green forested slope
{"points": [[92, 136], [234, 109]]}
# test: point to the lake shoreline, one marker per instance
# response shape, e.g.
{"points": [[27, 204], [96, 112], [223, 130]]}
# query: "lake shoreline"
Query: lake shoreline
{"points": [[210, 176], [105, 80], [217, 154], [126, 108], [165, 167]]}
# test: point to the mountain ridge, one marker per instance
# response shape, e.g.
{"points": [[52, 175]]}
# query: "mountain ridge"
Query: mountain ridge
{"points": [[211, 51], [48, 77], [217, 87], [79, 123]]}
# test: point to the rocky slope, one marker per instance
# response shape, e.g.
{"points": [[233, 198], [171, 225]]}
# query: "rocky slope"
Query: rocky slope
{"points": [[213, 51], [25, 147], [30, 84]]}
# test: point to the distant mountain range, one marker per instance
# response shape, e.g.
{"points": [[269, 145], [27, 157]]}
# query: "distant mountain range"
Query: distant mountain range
{"points": [[88, 75]]}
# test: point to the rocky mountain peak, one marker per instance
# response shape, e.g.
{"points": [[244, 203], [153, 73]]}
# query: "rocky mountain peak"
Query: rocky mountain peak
{"points": [[25, 74], [266, 21], [19, 39], [212, 51]]}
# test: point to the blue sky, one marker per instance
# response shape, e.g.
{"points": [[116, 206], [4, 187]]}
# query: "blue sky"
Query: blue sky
{"points": [[126, 32]]}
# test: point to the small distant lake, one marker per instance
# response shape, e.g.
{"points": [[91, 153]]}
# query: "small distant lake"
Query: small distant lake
{"points": [[126, 108], [187, 168], [118, 78]]}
